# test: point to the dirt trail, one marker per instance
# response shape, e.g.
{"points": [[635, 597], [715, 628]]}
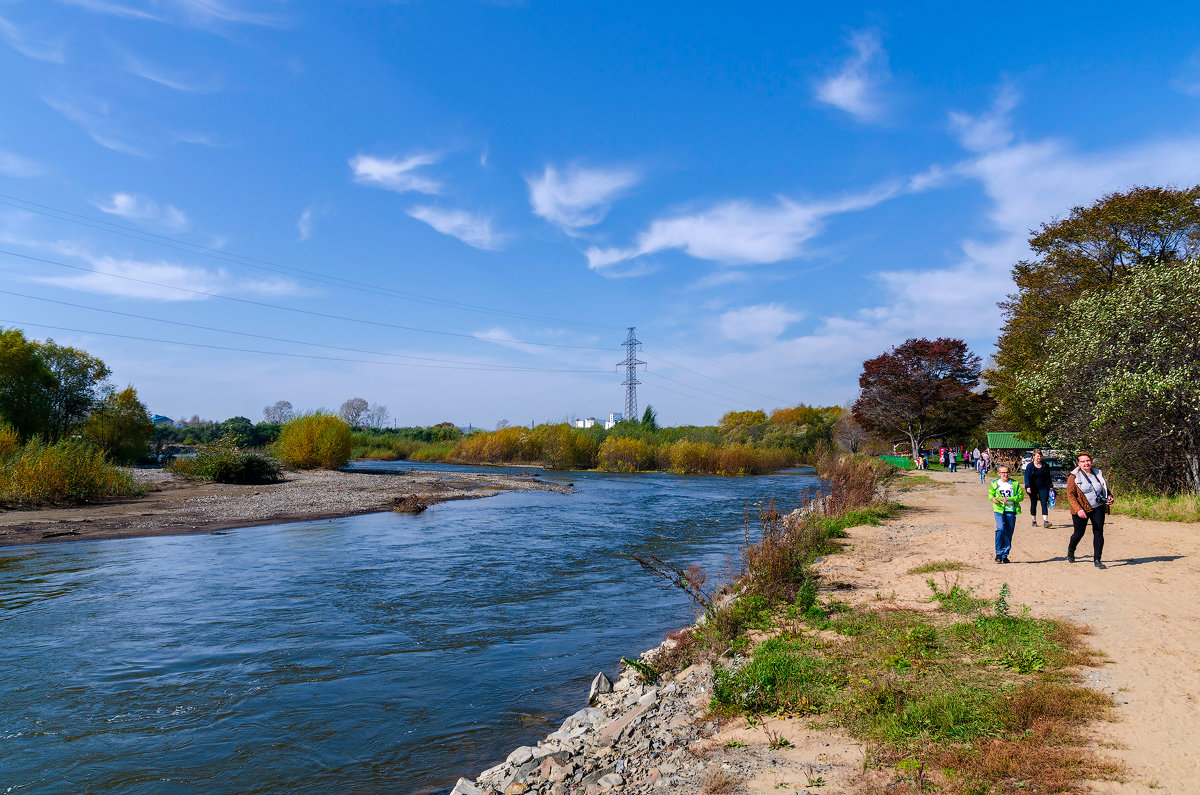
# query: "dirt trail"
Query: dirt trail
{"points": [[1143, 608]]}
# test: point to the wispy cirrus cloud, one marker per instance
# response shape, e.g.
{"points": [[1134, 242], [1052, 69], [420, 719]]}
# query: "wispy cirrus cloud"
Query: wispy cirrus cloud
{"points": [[741, 232], [196, 13], [97, 123], [304, 224], [396, 174], [12, 165], [991, 129], [161, 280], [145, 210], [856, 87], [578, 197], [39, 48], [472, 229], [757, 324], [188, 84]]}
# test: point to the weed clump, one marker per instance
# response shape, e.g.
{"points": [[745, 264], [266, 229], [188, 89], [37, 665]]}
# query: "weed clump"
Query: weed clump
{"points": [[224, 462], [67, 472], [314, 441]]}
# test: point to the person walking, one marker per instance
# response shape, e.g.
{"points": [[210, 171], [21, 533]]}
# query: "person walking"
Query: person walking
{"points": [[981, 468], [1006, 495], [1038, 483], [975, 454], [953, 457], [1090, 498]]}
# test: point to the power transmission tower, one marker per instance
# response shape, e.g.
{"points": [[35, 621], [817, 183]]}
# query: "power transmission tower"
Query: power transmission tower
{"points": [[630, 383]]}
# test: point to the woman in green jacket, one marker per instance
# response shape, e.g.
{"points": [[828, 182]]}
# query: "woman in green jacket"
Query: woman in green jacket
{"points": [[1007, 495]]}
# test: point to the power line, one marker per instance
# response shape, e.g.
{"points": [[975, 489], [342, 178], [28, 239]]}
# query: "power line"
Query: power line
{"points": [[715, 380], [726, 398], [262, 264], [22, 324], [481, 365], [301, 311], [727, 366]]}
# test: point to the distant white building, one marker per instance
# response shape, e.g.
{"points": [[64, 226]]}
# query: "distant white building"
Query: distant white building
{"points": [[613, 419], [585, 422]]}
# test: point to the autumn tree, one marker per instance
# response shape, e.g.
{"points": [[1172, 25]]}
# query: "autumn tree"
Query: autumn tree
{"points": [[80, 383], [1093, 249], [25, 384], [352, 411], [922, 389]]}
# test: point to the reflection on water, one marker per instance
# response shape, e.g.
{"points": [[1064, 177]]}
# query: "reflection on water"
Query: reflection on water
{"points": [[384, 652]]}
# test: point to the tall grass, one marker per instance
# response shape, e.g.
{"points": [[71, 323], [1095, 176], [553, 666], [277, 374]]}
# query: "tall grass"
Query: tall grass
{"points": [[66, 472], [224, 462], [1164, 508], [314, 441]]}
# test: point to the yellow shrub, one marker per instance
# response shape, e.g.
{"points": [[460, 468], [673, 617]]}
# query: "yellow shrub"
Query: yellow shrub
{"points": [[314, 441], [10, 441], [625, 455], [65, 472]]}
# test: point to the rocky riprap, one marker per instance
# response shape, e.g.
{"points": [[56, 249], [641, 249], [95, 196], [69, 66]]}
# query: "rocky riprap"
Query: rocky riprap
{"points": [[633, 739]]}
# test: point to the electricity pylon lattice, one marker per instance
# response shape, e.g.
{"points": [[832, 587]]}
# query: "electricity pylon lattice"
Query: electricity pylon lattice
{"points": [[631, 381]]}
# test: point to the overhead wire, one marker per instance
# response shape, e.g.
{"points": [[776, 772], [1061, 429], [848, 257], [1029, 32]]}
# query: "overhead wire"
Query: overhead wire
{"points": [[482, 365], [311, 313], [263, 264], [24, 323]]}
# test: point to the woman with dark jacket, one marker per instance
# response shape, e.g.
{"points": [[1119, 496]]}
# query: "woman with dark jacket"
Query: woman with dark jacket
{"points": [[1088, 493], [1038, 483]]}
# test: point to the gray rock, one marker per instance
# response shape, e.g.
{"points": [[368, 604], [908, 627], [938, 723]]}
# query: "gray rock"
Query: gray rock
{"points": [[464, 787], [600, 685], [521, 755], [650, 698], [609, 781]]}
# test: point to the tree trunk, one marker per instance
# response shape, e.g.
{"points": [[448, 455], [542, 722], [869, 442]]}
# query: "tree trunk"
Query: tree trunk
{"points": [[1191, 463]]}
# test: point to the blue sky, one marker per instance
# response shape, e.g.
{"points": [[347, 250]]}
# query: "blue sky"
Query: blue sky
{"points": [[466, 203]]}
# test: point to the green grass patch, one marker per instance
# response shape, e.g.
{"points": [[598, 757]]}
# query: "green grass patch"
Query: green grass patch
{"points": [[224, 462], [987, 695], [1176, 508], [836, 526], [937, 566]]}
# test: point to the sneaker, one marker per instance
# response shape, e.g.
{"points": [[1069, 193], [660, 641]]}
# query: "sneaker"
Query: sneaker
{"points": [[1046, 523], [997, 558], [1004, 559], [1070, 558], [1100, 565], [1035, 522]]}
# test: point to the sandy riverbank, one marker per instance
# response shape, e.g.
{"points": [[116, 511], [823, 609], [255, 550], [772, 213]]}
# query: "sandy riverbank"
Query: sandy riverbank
{"points": [[176, 506], [1142, 609]]}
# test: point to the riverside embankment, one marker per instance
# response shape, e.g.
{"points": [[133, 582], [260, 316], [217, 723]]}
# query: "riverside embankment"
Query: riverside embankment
{"points": [[1140, 610]]}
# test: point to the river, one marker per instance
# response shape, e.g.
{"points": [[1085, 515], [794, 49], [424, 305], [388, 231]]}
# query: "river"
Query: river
{"points": [[376, 653]]}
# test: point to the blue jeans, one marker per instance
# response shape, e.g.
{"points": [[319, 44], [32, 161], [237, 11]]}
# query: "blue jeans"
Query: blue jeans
{"points": [[953, 465], [1005, 524]]}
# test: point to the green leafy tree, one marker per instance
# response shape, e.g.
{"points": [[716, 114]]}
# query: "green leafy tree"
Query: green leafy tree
{"points": [[650, 419], [1125, 378], [80, 381], [26, 383], [1093, 249], [121, 427]]}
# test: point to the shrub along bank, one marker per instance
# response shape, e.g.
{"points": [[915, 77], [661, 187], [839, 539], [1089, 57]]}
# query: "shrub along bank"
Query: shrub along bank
{"points": [[66, 472]]}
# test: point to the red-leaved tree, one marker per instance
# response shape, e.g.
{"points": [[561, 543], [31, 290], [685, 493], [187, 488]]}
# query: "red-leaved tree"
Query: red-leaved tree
{"points": [[922, 389]]}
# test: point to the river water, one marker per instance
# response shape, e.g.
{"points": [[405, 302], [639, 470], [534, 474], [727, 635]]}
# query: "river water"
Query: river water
{"points": [[376, 653]]}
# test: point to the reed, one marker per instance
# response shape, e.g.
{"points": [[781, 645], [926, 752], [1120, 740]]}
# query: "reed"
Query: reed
{"points": [[66, 472]]}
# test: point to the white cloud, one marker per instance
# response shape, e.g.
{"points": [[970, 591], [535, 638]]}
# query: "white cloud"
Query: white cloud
{"points": [[474, 230], [740, 232], [163, 77], [855, 88], [990, 130], [580, 196], [98, 126], [502, 336], [199, 13], [757, 324], [35, 47], [143, 209], [304, 224], [12, 165], [1187, 81], [396, 174]]}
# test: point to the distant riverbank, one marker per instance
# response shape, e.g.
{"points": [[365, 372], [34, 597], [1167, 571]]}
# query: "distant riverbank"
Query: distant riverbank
{"points": [[177, 506]]}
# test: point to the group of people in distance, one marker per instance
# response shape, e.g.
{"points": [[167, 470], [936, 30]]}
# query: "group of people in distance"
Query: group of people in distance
{"points": [[1087, 492]]}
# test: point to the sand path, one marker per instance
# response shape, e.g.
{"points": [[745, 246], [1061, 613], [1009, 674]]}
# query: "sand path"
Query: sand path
{"points": [[1143, 608]]}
